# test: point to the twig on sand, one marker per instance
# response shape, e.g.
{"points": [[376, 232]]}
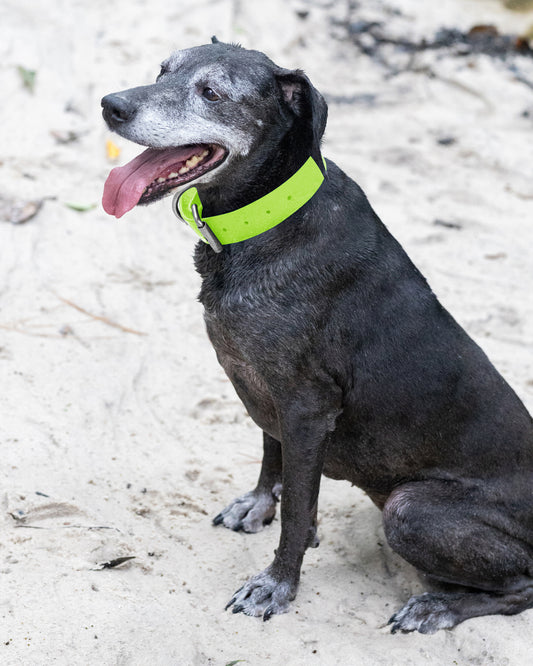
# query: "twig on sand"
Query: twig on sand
{"points": [[16, 329], [101, 318], [21, 525], [23, 327]]}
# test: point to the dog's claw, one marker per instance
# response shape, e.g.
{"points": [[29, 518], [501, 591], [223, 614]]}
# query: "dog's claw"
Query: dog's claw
{"points": [[263, 595], [268, 613], [249, 512], [426, 613]]}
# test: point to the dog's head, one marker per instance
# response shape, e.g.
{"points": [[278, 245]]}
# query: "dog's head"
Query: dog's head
{"points": [[211, 106]]}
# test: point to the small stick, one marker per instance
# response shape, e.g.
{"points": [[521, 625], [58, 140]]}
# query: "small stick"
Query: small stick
{"points": [[16, 329], [105, 320]]}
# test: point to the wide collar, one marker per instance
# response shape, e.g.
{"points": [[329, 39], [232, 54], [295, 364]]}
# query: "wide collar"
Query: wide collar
{"points": [[254, 218]]}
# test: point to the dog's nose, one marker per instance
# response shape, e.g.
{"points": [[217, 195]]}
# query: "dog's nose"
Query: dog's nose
{"points": [[117, 109]]}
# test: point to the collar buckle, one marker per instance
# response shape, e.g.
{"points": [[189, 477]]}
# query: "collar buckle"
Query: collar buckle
{"points": [[207, 233]]}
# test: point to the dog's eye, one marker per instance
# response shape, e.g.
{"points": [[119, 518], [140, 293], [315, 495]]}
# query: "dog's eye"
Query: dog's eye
{"points": [[210, 95]]}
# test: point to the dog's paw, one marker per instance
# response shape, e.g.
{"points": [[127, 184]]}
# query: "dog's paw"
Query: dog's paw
{"points": [[426, 613], [263, 595], [249, 512]]}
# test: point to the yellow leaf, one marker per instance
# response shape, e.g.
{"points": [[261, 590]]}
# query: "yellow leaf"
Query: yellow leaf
{"points": [[112, 150]]}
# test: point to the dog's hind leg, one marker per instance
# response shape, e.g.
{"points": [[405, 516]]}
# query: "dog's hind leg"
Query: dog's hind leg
{"points": [[253, 510], [431, 611], [459, 533]]}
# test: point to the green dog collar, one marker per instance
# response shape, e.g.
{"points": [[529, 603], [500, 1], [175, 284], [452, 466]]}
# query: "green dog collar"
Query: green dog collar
{"points": [[255, 218]]}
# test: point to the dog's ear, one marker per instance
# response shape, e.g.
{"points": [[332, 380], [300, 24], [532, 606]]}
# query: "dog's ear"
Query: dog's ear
{"points": [[303, 99]]}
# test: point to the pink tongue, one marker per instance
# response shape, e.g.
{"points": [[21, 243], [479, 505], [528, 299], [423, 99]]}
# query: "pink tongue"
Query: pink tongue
{"points": [[124, 185]]}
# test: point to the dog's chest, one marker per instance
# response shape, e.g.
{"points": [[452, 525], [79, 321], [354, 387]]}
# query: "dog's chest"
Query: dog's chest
{"points": [[256, 327], [244, 375]]}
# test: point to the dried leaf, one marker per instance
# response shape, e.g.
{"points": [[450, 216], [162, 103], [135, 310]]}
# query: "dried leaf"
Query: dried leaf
{"points": [[448, 224], [112, 150], [111, 564], [80, 208], [64, 136], [18, 211], [483, 30], [28, 77]]}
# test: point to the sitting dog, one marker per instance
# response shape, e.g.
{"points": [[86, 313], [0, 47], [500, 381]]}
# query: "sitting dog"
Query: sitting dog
{"points": [[332, 338]]}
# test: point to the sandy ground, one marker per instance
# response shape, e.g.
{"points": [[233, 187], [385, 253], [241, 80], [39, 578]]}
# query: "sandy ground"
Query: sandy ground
{"points": [[121, 436]]}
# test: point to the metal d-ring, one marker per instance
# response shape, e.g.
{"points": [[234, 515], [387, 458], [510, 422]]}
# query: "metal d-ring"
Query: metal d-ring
{"points": [[205, 230], [202, 226]]}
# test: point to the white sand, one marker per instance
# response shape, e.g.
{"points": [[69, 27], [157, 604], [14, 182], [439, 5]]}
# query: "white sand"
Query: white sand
{"points": [[138, 440]]}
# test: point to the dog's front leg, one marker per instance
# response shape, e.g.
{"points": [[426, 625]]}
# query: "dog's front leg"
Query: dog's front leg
{"points": [[304, 441]]}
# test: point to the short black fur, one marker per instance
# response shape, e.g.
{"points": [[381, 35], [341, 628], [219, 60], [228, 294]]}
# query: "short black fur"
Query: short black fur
{"points": [[349, 364]]}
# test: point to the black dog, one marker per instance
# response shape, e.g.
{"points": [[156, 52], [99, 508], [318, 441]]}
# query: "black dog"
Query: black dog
{"points": [[333, 340]]}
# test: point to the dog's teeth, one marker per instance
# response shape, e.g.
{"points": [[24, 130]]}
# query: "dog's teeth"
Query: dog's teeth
{"points": [[192, 162], [189, 164]]}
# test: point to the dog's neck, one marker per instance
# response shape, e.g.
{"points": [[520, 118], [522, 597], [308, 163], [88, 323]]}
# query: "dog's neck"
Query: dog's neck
{"points": [[255, 175], [255, 218], [254, 185]]}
